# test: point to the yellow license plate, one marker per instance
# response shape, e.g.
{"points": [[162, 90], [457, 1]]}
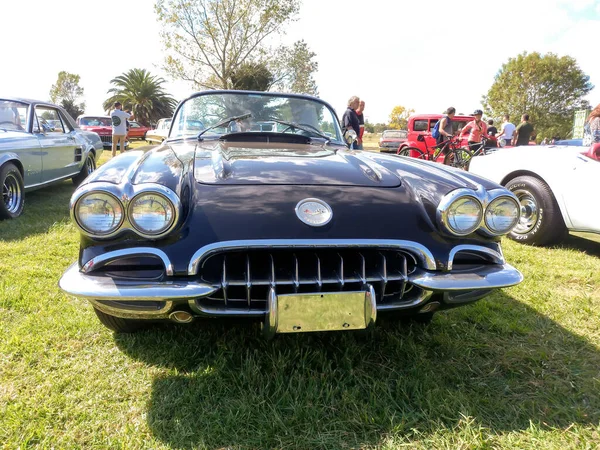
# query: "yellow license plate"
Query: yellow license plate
{"points": [[297, 313]]}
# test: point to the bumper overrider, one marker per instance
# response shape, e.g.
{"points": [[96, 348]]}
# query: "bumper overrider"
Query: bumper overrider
{"points": [[350, 303]]}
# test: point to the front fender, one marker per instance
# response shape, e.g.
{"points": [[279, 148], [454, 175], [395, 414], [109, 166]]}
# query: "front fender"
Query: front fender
{"points": [[11, 157]]}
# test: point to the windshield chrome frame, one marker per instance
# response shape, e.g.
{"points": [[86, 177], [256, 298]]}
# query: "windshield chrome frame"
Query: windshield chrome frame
{"points": [[260, 93]]}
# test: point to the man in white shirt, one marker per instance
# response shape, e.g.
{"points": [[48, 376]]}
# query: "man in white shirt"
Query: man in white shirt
{"points": [[119, 127], [507, 131]]}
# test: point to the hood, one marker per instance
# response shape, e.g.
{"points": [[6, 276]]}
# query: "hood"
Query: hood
{"points": [[243, 163]]}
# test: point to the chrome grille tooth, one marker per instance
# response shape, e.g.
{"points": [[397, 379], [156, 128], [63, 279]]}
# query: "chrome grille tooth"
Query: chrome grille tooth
{"points": [[296, 274], [248, 280], [272, 280], [341, 274], [384, 279], [319, 280], [404, 276], [362, 275], [224, 279]]}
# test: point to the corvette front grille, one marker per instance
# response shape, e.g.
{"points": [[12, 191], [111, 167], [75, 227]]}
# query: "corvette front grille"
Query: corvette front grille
{"points": [[245, 277]]}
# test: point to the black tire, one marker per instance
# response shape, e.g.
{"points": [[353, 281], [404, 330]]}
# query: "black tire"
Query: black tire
{"points": [[459, 158], [406, 151], [541, 220], [120, 325], [13, 192], [88, 167]]}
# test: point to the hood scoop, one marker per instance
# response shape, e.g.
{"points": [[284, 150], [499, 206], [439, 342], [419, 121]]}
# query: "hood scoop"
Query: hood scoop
{"points": [[244, 163]]}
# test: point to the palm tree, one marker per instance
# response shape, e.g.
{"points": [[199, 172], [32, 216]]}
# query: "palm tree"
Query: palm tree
{"points": [[143, 94]]}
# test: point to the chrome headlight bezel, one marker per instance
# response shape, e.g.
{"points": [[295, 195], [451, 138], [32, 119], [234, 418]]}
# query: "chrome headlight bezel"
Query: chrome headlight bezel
{"points": [[115, 202], [136, 225], [490, 229], [125, 193], [485, 199], [443, 210]]}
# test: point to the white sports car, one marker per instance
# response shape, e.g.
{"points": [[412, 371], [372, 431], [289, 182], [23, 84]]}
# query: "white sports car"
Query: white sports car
{"points": [[556, 186]]}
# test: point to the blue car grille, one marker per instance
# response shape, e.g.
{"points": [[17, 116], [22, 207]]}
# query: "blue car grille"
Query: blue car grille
{"points": [[245, 277]]}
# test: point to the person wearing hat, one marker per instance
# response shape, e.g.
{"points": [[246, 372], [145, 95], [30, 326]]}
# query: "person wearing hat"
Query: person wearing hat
{"points": [[119, 119], [476, 129]]}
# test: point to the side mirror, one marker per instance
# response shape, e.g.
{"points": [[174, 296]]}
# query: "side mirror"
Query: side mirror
{"points": [[420, 138], [350, 136]]}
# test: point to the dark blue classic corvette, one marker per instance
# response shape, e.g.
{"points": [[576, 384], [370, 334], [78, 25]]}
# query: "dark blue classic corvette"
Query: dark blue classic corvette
{"points": [[254, 207]]}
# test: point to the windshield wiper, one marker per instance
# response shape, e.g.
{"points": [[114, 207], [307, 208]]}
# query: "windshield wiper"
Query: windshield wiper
{"points": [[224, 123], [302, 126]]}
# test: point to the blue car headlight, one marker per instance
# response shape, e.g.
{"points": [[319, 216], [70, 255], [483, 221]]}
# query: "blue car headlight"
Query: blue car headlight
{"points": [[502, 214], [99, 213]]}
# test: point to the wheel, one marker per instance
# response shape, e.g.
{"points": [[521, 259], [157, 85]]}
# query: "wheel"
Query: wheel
{"points": [[413, 152], [88, 167], [120, 325], [459, 158], [541, 221], [13, 199]]}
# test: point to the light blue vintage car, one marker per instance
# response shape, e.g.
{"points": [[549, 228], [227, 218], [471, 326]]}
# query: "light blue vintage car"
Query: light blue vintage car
{"points": [[40, 144]]}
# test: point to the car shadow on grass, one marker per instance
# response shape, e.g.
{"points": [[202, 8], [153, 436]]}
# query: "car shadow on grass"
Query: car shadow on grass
{"points": [[585, 242], [44, 208], [498, 362]]}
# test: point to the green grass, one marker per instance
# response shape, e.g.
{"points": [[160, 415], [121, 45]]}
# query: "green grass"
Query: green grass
{"points": [[519, 369]]}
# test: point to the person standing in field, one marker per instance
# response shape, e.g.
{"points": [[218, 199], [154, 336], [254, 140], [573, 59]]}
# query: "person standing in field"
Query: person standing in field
{"points": [[506, 131], [119, 118], [350, 119], [361, 123], [523, 131]]}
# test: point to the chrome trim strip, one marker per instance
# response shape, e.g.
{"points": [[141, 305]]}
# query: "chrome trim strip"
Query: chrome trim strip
{"points": [[125, 194], [105, 258], [484, 277], [421, 252], [422, 298], [497, 257], [45, 183], [130, 314], [89, 287]]}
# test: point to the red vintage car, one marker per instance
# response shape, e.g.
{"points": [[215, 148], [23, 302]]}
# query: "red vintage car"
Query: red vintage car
{"points": [[422, 124], [98, 124], [136, 131]]}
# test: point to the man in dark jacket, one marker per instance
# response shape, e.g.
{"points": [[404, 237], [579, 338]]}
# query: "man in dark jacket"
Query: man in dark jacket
{"points": [[350, 119]]}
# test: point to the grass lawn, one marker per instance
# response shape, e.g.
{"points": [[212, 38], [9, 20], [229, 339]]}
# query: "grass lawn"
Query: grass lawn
{"points": [[519, 369]]}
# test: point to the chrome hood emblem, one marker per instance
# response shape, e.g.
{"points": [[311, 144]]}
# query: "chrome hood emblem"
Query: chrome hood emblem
{"points": [[314, 212]]}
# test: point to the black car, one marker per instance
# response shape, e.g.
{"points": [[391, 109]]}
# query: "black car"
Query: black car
{"points": [[285, 225]]}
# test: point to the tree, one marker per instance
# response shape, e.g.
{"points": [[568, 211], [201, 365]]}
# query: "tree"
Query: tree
{"points": [[547, 87], [399, 117], [66, 92], [252, 77], [141, 93], [209, 41], [294, 68]]}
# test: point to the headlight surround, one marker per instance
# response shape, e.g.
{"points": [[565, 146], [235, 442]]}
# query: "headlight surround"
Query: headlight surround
{"points": [[99, 213], [464, 215], [502, 214], [151, 213]]}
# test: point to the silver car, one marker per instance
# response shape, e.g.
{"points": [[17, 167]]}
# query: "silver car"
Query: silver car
{"points": [[40, 144]]}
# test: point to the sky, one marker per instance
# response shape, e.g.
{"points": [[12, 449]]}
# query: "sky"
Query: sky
{"points": [[425, 56]]}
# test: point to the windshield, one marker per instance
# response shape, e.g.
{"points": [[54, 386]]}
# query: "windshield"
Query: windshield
{"points": [[395, 134], [95, 121], [266, 114], [13, 115]]}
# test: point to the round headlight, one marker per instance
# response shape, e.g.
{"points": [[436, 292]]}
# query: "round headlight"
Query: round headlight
{"points": [[502, 215], [99, 213], [464, 215], [151, 213]]}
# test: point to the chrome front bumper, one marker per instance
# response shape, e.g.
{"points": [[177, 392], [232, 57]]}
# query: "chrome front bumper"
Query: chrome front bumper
{"points": [[107, 294]]}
